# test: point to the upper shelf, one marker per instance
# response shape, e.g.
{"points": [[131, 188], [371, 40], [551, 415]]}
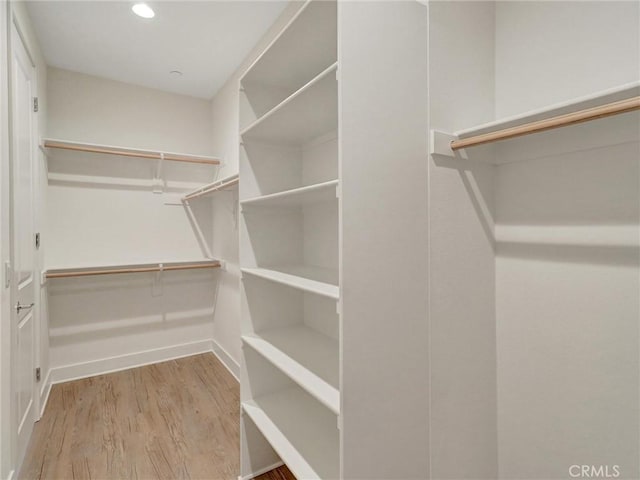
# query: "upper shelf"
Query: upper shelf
{"points": [[304, 48], [128, 152], [130, 268], [222, 184], [306, 114], [623, 92], [623, 99]]}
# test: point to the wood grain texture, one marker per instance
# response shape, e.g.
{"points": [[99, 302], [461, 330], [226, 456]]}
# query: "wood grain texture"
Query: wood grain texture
{"points": [[172, 420], [281, 473]]}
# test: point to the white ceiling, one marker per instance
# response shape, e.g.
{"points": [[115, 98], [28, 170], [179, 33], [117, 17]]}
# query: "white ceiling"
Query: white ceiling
{"points": [[206, 40]]}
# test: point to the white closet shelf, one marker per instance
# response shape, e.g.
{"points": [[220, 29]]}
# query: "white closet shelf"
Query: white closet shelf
{"points": [[321, 281], [127, 152], [306, 114], [303, 432], [307, 43], [112, 269], [174, 186], [219, 185], [318, 193], [622, 99], [307, 357]]}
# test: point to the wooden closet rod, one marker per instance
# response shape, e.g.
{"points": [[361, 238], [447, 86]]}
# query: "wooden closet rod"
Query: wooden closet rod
{"points": [[129, 153], [602, 111], [112, 271]]}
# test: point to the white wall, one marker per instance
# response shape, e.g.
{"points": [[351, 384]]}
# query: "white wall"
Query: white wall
{"points": [[567, 226], [225, 110], [549, 52], [461, 248], [97, 110], [101, 210]]}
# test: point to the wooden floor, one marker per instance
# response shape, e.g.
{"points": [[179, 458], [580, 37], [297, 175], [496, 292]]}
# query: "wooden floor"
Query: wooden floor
{"points": [[172, 420]]}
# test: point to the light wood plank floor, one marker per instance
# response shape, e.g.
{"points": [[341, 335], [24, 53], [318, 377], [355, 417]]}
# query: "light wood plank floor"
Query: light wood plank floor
{"points": [[172, 420]]}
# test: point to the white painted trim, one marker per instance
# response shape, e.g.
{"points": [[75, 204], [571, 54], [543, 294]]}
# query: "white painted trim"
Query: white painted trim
{"points": [[226, 359], [261, 471], [45, 390], [77, 371]]}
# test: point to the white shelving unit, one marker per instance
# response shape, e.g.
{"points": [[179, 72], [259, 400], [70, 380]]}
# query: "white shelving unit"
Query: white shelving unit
{"points": [[332, 195], [289, 250]]}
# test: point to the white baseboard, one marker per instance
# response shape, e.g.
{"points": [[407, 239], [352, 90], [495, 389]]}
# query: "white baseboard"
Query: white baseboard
{"points": [[261, 471], [77, 371], [226, 359]]}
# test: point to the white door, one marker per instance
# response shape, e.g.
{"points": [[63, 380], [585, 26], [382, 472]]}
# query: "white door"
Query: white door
{"points": [[23, 246]]}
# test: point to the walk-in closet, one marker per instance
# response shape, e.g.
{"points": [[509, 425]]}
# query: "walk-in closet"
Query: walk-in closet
{"points": [[321, 239]]}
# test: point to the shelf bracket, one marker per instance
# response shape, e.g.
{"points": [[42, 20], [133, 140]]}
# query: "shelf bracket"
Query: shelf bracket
{"points": [[157, 288], [158, 182], [43, 149], [440, 144]]}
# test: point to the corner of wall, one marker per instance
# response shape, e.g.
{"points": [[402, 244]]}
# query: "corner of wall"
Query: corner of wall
{"points": [[225, 139]]}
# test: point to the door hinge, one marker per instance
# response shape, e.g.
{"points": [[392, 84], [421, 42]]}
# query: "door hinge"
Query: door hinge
{"points": [[37, 241], [35, 104], [38, 374]]}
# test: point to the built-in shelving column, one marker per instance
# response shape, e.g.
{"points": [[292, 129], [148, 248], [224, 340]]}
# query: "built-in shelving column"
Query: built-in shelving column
{"points": [[289, 250]]}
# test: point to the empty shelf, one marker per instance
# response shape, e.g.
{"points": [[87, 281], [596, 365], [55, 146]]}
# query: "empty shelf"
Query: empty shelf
{"points": [[128, 152], [624, 92], [307, 357], [306, 46], [308, 113], [321, 192], [218, 185], [85, 271], [301, 278], [302, 432]]}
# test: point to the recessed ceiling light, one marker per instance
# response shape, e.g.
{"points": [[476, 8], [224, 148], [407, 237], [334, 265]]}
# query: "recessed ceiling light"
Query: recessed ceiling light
{"points": [[143, 10]]}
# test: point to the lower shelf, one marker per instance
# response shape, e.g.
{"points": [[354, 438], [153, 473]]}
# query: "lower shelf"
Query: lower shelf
{"points": [[302, 432], [309, 358]]}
